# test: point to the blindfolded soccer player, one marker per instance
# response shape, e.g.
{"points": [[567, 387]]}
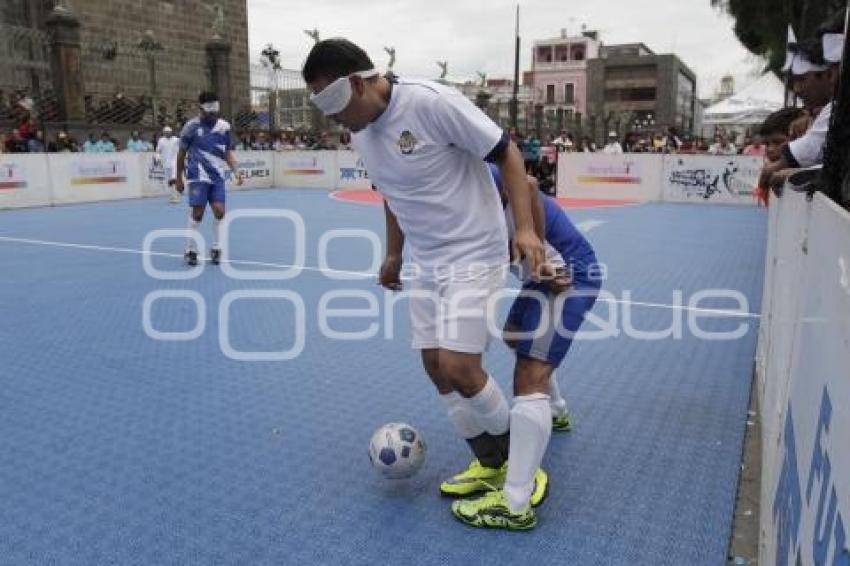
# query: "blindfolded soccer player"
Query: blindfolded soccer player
{"points": [[426, 148], [207, 140]]}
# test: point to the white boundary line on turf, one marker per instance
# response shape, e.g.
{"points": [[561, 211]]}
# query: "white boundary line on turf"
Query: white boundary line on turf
{"points": [[718, 312]]}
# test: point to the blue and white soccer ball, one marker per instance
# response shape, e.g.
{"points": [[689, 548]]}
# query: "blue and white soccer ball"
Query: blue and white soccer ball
{"points": [[397, 450]]}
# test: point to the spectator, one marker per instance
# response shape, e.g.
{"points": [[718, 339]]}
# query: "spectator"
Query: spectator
{"points": [[105, 145], [564, 142], [261, 143], [243, 143], [91, 144], [586, 145], [36, 143], [15, 143], [5, 112], [324, 142], [27, 128], [723, 146], [672, 142], [166, 151], [136, 143], [285, 141], [531, 153], [613, 146], [546, 177], [345, 140], [756, 147], [776, 131], [64, 144]]}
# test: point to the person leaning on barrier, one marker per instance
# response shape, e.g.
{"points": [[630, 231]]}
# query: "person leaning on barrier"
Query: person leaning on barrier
{"points": [[776, 131], [814, 69]]}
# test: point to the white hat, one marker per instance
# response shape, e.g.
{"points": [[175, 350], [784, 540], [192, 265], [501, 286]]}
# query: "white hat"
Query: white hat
{"points": [[612, 134], [802, 66], [833, 47], [167, 130]]}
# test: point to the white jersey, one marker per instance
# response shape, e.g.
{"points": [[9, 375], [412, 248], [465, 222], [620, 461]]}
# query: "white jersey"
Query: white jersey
{"points": [[808, 149], [425, 156], [167, 149]]}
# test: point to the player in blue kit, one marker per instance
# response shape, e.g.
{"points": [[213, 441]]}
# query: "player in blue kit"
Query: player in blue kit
{"points": [[541, 343], [207, 141]]}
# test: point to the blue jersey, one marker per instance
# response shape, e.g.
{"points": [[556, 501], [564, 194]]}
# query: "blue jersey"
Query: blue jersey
{"points": [[561, 234], [206, 148]]}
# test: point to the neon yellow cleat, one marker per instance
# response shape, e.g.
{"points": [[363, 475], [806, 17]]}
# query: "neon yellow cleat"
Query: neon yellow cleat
{"points": [[476, 478], [562, 422], [491, 511], [541, 487]]}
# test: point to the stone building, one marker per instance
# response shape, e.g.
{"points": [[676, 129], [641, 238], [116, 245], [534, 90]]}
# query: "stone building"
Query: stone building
{"points": [[137, 61]]}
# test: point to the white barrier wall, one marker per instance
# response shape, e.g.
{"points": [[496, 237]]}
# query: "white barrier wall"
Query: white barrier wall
{"points": [[78, 177], [154, 182], [257, 168], [87, 177], [805, 504], [711, 179], [305, 169], [629, 176], [655, 177], [351, 172], [24, 180]]}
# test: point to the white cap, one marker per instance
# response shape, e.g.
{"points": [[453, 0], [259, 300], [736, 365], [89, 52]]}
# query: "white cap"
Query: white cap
{"points": [[167, 130], [833, 47], [612, 134]]}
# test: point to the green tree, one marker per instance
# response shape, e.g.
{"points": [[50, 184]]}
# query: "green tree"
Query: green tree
{"points": [[761, 25]]}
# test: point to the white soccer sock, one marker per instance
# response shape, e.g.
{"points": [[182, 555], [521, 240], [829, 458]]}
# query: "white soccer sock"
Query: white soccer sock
{"points": [[556, 400], [491, 408], [461, 416], [531, 427], [192, 227], [216, 225]]}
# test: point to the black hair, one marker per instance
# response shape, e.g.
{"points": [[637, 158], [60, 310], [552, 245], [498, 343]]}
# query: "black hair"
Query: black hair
{"points": [[207, 96], [780, 121], [811, 49], [833, 24], [334, 58]]}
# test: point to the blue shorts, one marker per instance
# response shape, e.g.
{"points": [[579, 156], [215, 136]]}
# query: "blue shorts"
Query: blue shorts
{"points": [[566, 313], [202, 192]]}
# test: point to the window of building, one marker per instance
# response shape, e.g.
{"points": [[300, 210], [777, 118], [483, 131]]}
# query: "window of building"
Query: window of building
{"points": [[569, 93], [562, 53], [578, 53], [550, 94], [685, 98], [631, 72], [544, 54], [642, 94]]}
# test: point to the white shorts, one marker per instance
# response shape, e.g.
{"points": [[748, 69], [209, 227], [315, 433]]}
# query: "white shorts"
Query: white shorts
{"points": [[452, 314]]}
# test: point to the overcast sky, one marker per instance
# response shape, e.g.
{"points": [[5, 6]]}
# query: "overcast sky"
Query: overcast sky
{"points": [[477, 35]]}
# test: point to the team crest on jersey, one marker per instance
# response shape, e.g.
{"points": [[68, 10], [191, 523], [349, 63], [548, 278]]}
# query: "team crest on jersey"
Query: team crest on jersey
{"points": [[407, 142]]}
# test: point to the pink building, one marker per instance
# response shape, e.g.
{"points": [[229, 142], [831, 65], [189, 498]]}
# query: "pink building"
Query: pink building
{"points": [[559, 71]]}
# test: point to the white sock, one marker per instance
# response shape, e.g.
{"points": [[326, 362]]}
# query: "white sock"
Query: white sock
{"points": [[556, 400], [491, 408], [531, 427], [461, 416], [192, 227], [216, 225]]}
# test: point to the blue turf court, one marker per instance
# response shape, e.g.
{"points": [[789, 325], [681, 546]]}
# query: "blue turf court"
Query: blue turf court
{"points": [[120, 449]]}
